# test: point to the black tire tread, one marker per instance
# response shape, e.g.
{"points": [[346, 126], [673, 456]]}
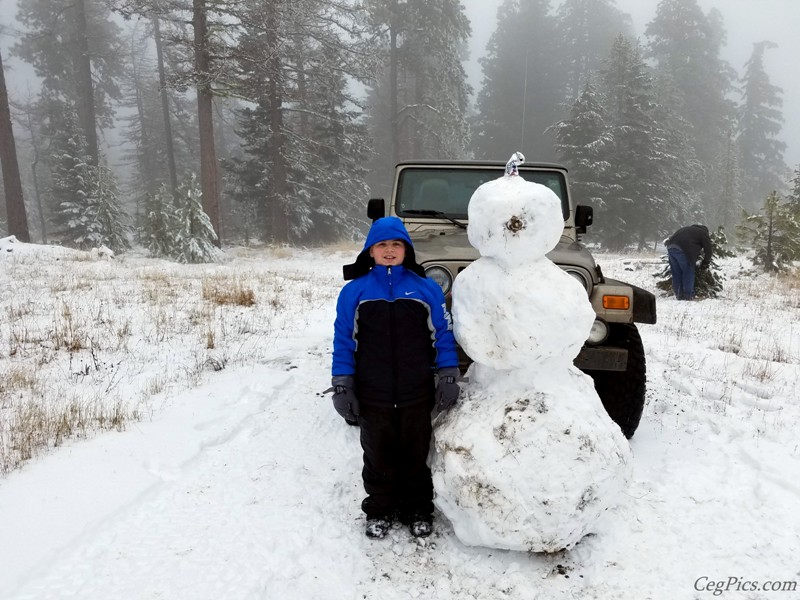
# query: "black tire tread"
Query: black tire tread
{"points": [[623, 393]]}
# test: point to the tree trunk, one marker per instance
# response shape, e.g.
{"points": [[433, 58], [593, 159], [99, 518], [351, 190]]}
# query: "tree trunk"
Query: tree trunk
{"points": [[147, 158], [205, 116], [278, 184], [34, 164], [395, 125], [162, 84], [225, 209], [84, 85], [12, 184], [418, 127]]}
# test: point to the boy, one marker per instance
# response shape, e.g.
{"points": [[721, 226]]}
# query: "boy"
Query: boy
{"points": [[392, 334]]}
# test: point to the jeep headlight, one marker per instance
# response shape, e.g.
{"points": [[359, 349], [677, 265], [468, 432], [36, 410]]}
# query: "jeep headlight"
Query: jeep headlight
{"points": [[582, 278], [598, 333], [441, 276]]}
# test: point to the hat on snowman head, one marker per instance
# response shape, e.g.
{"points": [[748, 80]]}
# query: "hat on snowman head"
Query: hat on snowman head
{"points": [[387, 228]]}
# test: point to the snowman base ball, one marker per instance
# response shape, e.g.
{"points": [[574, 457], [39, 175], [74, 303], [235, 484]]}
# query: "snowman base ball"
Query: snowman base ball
{"points": [[529, 471]]}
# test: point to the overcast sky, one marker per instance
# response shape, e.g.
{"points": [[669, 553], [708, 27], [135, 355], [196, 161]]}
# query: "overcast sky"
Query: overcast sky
{"points": [[746, 21]]}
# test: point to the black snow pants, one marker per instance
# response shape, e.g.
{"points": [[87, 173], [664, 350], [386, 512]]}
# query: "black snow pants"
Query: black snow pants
{"points": [[396, 441]]}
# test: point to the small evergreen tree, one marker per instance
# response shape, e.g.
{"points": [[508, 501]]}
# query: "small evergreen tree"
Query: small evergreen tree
{"points": [[774, 234], [194, 236], [70, 185], [104, 223], [793, 199], [159, 222], [708, 281]]}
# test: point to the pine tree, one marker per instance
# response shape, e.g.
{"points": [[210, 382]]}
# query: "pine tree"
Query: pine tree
{"points": [[89, 206], [418, 96], [74, 47], [708, 281], [587, 30], [793, 198], [760, 120], [523, 83], [686, 44], [636, 178], [773, 234], [70, 179], [679, 170], [160, 221], [725, 185], [104, 221], [302, 168], [580, 139], [194, 236]]}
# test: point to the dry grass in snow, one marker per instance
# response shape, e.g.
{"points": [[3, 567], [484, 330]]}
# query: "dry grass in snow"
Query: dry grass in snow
{"points": [[89, 343]]}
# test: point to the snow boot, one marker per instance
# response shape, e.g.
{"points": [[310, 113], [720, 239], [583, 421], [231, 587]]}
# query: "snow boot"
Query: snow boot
{"points": [[421, 526], [378, 528]]}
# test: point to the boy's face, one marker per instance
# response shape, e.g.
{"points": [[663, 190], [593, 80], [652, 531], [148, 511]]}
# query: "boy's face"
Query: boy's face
{"points": [[389, 253]]}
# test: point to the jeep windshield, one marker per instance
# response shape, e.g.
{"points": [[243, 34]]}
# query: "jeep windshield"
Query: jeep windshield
{"points": [[424, 192]]}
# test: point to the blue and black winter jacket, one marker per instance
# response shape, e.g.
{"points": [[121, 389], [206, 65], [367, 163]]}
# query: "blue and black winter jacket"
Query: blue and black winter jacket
{"points": [[392, 327]]}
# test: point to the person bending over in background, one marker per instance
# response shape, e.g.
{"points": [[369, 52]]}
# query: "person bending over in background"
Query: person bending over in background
{"points": [[392, 336], [683, 249]]}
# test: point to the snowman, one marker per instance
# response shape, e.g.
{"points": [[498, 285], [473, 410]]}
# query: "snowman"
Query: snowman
{"points": [[529, 460]]}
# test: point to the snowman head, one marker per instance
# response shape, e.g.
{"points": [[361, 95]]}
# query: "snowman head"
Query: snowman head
{"points": [[513, 220]]}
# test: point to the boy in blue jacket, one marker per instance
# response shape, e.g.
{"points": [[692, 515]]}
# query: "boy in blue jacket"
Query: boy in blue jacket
{"points": [[392, 335]]}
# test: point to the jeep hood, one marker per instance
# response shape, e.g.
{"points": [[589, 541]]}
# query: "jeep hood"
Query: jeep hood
{"points": [[443, 246]]}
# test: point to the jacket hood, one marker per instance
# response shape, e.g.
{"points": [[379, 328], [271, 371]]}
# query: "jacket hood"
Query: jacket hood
{"points": [[387, 228]]}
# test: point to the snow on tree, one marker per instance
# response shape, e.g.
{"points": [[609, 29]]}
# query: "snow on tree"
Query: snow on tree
{"points": [[302, 167], [760, 120], [418, 95], [638, 158], [103, 223], [708, 281], [773, 233], [686, 43], [793, 198], [579, 141], [193, 235], [680, 172], [159, 222], [70, 181], [75, 47]]}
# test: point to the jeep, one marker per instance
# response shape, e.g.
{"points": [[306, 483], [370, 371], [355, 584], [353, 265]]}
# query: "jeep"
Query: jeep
{"points": [[431, 198]]}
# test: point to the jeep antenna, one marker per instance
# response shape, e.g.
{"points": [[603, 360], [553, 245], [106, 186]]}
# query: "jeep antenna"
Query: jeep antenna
{"points": [[524, 101]]}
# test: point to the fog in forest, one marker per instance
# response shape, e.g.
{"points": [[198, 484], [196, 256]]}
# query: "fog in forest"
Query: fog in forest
{"points": [[303, 127]]}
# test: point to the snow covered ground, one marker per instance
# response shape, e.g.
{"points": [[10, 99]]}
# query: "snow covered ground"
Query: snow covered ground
{"points": [[243, 483]]}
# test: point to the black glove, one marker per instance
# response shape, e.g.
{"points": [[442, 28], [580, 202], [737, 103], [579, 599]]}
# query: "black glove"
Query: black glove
{"points": [[447, 389], [344, 398]]}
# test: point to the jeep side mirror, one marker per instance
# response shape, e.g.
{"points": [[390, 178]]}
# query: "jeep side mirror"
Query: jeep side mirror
{"points": [[376, 208], [583, 217]]}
